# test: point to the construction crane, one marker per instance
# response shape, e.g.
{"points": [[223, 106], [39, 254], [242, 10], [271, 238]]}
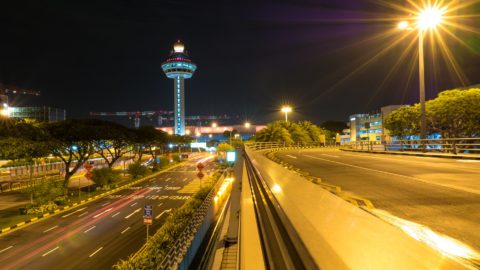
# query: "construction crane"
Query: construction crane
{"points": [[162, 116], [4, 108]]}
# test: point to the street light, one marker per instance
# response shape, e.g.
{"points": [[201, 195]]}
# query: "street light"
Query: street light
{"points": [[214, 125], [247, 124], [286, 110], [427, 19]]}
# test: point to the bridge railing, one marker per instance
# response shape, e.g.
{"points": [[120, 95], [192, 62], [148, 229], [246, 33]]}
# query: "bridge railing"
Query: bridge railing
{"points": [[452, 145], [272, 145], [304, 226]]}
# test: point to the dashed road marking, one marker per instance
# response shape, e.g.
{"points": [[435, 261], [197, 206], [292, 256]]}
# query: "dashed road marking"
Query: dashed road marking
{"points": [[81, 215], [93, 254], [128, 228], [166, 211], [108, 210], [160, 204], [52, 250], [185, 179], [114, 215], [132, 205], [290, 156], [79, 210], [91, 228], [106, 203], [54, 227], [5, 249], [131, 214]]}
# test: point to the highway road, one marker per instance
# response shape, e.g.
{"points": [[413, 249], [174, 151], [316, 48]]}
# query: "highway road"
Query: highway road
{"points": [[441, 194], [96, 235]]}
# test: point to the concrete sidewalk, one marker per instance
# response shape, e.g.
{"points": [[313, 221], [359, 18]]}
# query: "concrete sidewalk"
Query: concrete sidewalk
{"points": [[418, 154]]}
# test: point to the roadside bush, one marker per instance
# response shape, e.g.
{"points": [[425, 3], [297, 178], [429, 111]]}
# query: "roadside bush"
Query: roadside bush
{"points": [[104, 176], [45, 192], [160, 244], [137, 170], [158, 166]]}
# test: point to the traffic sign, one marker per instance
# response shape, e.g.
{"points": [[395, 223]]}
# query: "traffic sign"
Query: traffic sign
{"points": [[200, 166], [147, 211], [147, 221], [200, 175], [89, 175], [87, 166]]}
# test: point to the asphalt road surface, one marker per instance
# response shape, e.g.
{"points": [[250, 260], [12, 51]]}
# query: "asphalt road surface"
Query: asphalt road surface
{"points": [[96, 235], [442, 194]]}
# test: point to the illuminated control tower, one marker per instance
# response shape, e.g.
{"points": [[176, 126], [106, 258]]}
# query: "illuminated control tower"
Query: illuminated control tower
{"points": [[179, 67]]}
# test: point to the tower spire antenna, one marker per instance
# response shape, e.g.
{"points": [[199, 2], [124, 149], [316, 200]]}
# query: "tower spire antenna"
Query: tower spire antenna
{"points": [[179, 67]]}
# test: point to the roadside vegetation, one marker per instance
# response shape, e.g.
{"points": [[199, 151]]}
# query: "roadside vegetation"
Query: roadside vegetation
{"points": [[452, 114], [163, 240], [303, 132], [74, 142]]}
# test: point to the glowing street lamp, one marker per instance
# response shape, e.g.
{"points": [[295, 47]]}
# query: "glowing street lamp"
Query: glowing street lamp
{"points": [[427, 19], [247, 124], [286, 110], [214, 125]]}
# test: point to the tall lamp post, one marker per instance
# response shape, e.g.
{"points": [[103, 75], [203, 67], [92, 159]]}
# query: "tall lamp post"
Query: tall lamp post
{"points": [[286, 110], [427, 19]]}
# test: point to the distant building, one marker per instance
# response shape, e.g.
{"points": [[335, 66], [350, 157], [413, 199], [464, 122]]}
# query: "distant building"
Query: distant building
{"points": [[41, 114], [369, 127]]}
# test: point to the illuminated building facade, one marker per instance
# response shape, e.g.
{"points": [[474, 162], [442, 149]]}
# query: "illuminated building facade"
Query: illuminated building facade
{"points": [[369, 127], [179, 67]]}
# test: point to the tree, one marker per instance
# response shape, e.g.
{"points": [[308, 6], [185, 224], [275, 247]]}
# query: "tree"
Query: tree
{"points": [[224, 147], [297, 133], [104, 176], [455, 113], [136, 169], [313, 131], [114, 141], [274, 132], [404, 121], [73, 142]]}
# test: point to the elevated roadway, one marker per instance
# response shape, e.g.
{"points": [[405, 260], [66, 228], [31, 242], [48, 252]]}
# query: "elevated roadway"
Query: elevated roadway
{"points": [[441, 194]]}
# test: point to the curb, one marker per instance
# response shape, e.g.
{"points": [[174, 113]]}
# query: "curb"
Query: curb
{"points": [[82, 202], [407, 154]]}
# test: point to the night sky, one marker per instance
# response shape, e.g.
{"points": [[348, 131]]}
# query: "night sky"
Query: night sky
{"points": [[252, 56]]}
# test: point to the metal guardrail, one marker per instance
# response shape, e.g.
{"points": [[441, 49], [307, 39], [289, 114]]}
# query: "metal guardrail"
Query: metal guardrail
{"points": [[273, 145], [453, 145]]}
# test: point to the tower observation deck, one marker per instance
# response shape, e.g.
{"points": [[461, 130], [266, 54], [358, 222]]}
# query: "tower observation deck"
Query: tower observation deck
{"points": [[179, 67]]}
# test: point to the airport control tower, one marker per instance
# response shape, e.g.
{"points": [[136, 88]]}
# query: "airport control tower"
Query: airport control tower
{"points": [[179, 67]]}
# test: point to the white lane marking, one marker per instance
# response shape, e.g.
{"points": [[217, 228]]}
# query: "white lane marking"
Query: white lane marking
{"points": [[168, 179], [91, 228], [160, 204], [330, 155], [83, 214], [115, 214], [291, 156], [166, 211], [131, 214], [54, 227], [158, 191], [45, 254], [469, 190], [185, 179], [468, 160], [106, 203], [108, 210], [5, 249], [128, 228], [133, 204], [91, 255], [79, 210]]}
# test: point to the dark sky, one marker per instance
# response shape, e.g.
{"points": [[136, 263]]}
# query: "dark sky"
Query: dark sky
{"points": [[252, 56]]}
